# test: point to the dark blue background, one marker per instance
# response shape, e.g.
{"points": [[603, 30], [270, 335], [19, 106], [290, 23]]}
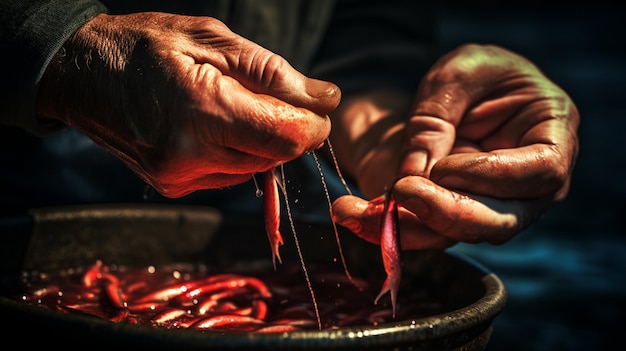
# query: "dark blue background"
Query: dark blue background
{"points": [[566, 275]]}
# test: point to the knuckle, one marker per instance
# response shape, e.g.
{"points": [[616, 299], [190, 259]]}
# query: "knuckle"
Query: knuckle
{"points": [[271, 68], [559, 170]]}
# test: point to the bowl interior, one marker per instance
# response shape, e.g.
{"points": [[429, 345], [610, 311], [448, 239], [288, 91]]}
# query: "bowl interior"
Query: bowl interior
{"points": [[137, 235]]}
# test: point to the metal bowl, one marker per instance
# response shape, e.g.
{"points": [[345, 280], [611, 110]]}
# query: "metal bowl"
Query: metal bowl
{"points": [[62, 237]]}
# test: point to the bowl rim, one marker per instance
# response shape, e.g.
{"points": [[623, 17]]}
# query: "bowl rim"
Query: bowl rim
{"points": [[478, 314]]}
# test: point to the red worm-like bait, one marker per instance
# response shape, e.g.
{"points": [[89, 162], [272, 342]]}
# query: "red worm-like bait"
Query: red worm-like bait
{"points": [[390, 249], [252, 284], [228, 321], [271, 208], [168, 316], [167, 293], [92, 275]]}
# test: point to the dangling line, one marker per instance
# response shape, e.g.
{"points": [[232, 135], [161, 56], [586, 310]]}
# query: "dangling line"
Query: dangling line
{"points": [[332, 155], [258, 191], [341, 255], [295, 238]]}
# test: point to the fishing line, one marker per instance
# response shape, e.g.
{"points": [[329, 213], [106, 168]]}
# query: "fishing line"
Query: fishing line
{"points": [[339, 247], [300, 256], [258, 191], [332, 156]]}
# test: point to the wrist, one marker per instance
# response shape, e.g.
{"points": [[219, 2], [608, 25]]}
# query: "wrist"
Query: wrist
{"points": [[67, 85]]}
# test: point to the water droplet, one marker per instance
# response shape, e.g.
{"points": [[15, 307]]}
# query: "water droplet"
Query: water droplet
{"points": [[258, 193]]}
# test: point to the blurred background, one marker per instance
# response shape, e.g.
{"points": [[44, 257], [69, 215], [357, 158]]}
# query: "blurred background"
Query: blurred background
{"points": [[566, 275]]}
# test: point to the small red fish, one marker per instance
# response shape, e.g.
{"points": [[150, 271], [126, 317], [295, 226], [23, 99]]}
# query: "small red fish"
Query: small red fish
{"points": [[112, 291], [229, 321], [271, 208], [390, 248], [254, 285], [167, 293], [91, 277], [169, 315]]}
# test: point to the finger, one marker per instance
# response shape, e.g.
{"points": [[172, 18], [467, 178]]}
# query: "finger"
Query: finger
{"points": [[426, 140], [273, 76], [452, 86], [215, 167], [466, 218], [211, 181], [430, 132], [264, 126], [363, 218], [528, 172], [263, 71]]}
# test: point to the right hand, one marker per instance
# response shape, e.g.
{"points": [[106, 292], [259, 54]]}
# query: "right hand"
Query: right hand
{"points": [[183, 101], [489, 144]]}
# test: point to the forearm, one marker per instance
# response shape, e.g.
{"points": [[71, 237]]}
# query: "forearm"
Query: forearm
{"points": [[31, 33]]}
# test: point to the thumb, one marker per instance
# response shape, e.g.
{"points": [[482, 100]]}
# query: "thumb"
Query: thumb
{"points": [[264, 72]]}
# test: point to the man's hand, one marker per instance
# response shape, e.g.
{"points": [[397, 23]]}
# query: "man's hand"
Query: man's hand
{"points": [[488, 145], [183, 101]]}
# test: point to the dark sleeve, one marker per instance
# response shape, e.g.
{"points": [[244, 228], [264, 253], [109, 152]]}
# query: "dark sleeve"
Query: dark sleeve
{"points": [[372, 44], [31, 32]]}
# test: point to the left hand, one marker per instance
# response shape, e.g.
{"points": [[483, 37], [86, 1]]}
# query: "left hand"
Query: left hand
{"points": [[489, 145]]}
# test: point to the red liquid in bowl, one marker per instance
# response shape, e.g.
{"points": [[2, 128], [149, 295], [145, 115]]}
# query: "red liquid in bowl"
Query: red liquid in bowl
{"points": [[200, 297]]}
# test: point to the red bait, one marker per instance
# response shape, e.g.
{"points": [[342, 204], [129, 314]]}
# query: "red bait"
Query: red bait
{"points": [[390, 248], [271, 208]]}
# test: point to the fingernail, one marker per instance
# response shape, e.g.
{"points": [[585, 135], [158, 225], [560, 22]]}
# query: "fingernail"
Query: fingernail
{"points": [[320, 89]]}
